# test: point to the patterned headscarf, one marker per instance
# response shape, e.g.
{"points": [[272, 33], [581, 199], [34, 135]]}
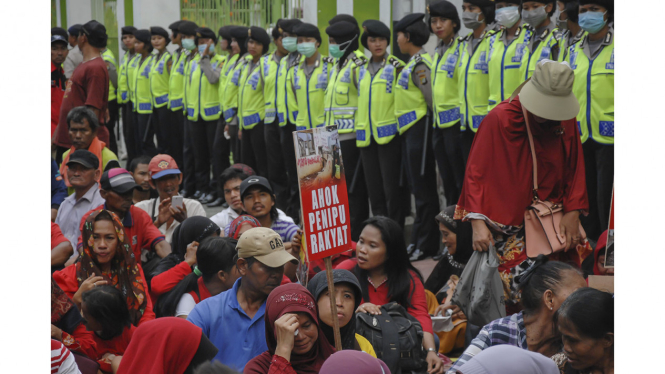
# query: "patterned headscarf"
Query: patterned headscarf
{"points": [[125, 274], [243, 218]]}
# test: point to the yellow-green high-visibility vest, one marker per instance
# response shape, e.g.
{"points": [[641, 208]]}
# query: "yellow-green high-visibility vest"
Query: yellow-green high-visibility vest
{"points": [[474, 82], [202, 98], [310, 92], [287, 106], [123, 81], [269, 71], [251, 106], [232, 88], [110, 59], [342, 94], [224, 80], [548, 48], [567, 41], [159, 80], [177, 82], [445, 80], [505, 62], [375, 118], [594, 89], [410, 104], [142, 96]]}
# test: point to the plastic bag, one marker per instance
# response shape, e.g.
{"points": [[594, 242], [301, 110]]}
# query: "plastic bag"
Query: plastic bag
{"points": [[479, 292]]}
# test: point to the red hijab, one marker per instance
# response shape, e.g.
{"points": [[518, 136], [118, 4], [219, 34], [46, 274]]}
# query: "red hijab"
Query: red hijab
{"points": [[162, 346], [499, 174], [600, 245], [291, 298]]}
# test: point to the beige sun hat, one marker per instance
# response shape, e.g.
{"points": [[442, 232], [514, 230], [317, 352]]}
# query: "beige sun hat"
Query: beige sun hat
{"points": [[265, 245], [549, 92]]}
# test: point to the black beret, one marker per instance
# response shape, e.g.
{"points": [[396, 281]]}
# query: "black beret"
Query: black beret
{"points": [[128, 30], [187, 28], [156, 30], [144, 36], [485, 3], [260, 35], [374, 29], [343, 17], [288, 25], [75, 30], [518, 2], [174, 26], [342, 29], [225, 32], [205, 32], [446, 9], [607, 4], [239, 32], [409, 20], [308, 30], [58, 34]]}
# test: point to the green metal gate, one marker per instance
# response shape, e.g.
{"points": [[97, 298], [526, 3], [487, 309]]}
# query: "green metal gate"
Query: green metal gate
{"points": [[105, 12], [217, 13]]}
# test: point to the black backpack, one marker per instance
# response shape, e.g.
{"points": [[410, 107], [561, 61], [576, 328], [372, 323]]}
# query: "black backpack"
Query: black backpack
{"points": [[397, 338]]}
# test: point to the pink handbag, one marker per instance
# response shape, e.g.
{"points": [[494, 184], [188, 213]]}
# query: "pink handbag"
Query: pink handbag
{"points": [[542, 219]]}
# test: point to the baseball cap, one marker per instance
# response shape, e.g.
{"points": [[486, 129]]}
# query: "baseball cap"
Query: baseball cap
{"points": [[75, 30], [58, 34], [85, 158], [162, 165], [254, 180], [265, 245], [97, 32], [118, 180], [549, 92]]}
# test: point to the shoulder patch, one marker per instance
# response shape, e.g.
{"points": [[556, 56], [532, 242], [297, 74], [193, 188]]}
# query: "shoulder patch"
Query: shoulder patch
{"points": [[529, 27], [394, 61], [359, 61], [329, 60], [544, 34], [418, 59], [608, 37], [579, 34]]}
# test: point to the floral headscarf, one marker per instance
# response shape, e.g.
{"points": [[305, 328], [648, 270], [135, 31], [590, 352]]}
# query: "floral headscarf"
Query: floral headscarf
{"points": [[243, 218], [125, 274]]}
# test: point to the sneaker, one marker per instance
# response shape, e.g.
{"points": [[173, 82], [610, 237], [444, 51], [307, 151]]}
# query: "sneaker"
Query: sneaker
{"points": [[418, 255]]}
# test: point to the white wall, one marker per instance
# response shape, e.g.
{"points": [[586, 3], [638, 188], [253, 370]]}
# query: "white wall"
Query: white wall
{"points": [[160, 13], [78, 11]]}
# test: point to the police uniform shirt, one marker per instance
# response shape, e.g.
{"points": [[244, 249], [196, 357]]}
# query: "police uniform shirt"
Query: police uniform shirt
{"points": [[592, 48], [542, 34], [113, 72], [211, 74], [309, 69], [507, 37], [241, 60], [421, 78], [442, 47]]}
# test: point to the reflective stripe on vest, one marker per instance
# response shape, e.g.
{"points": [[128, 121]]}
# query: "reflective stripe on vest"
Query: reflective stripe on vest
{"points": [[110, 58], [474, 83], [132, 68], [341, 99], [505, 63], [251, 106], [269, 71], [224, 80], [202, 98], [142, 96], [159, 80], [542, 52], [230, 102], [310, 94], [410, 105], [177, 82], [375, 118], [123, 81], [445, 80]]}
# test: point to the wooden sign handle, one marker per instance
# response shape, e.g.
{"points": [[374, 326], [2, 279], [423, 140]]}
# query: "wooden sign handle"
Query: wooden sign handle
{"points": [[333, 304]]}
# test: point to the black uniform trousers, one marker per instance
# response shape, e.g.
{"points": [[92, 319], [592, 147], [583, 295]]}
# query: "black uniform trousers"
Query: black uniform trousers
{"points": [[276, 167], [110, 125], [253, 149], [220, 155], [128, 131], [289, 152], [388, 195], [189, 180], [599, 168], [202, 135], [448, 154], [144, 132], [356, 187], [175, 139], [162, 123], [466, 143], [425, 232]]}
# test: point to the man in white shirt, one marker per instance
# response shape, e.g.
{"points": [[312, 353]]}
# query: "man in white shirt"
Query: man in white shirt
{"points": [[165, 177], [75, 56]]}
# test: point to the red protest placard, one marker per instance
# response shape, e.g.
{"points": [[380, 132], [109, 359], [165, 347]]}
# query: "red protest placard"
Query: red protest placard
{"points": [[323, 196]]}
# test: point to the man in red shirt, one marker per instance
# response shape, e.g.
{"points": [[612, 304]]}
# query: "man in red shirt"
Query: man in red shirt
{"points": [[58, 55], [117, 188], [89, 86], [61, 248]]}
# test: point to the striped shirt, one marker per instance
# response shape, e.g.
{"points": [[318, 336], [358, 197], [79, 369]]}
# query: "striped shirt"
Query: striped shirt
{"points": [[284, 228], [62, 360]]}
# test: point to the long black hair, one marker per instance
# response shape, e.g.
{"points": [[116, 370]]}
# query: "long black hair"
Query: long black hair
{"points": [[397, 263], [108, 306], [214, 254], [541, 276], [591, 312]]}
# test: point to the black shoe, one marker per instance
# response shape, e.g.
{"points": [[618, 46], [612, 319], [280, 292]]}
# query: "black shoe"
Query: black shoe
{"points": [[209, 198], [197, 195], [218, 202], [418, 255]]}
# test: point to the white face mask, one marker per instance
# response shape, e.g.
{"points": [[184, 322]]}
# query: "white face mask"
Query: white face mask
{"points": [[534, 17], [508, 16]]}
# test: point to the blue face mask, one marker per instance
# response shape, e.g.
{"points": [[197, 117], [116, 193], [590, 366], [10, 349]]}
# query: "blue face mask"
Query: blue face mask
{"points": [[592, 22], [202, 48], [290, 43], [307, 49], [188, 44]]}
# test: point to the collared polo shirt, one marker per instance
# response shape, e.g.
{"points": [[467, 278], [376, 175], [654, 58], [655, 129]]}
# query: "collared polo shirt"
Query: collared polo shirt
{"points": [[72, 211], [194, 208], [238, 337], [140, 231]]}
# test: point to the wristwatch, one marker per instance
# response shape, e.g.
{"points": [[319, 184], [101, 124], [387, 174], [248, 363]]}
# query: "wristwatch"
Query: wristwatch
{"points": [[431, 350]]}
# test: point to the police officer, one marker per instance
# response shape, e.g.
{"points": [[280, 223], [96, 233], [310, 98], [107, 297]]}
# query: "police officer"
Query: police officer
{"points": [[310, 78], [123, 96], [445, 24], [160, 75], [413, 103], [377, 135], [478, 15], [112, 67], [545, 42], [251, 105], [341, 103], [286, 106], [592, 58], [571, 32], [142, 97], [230, 94], [203, 108]]}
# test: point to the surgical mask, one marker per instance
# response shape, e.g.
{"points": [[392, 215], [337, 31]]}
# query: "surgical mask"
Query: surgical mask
{"points": [[307, 49], [124, 47], [290, 43], [562, 24], [203, 47], [508, 16], [592, 22], [556, 14], [336, 50], [470, 20], [534, 17], [188, 44]]}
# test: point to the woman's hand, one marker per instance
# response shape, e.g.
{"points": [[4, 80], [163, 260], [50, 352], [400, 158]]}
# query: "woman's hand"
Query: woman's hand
{"points": [[190, 255], [434, 363], [482, 237], [56, 333], [88, 284], [369, 308], [285, 332], [570, 228]]}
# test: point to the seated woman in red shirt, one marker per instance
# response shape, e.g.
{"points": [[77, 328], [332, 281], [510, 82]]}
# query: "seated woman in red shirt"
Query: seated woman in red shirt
{"points": [[107, 258], [67, 325], [105, 312], [381, 251], [215, 273]]}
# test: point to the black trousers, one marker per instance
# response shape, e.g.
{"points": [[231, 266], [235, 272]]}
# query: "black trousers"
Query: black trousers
{"points": [[144, 132], [448, 154], [202, 134], [466, 143], [382, 165], [289, 152], [113, 120], [599, 167], [425, 232], [253, 149], [356, 187], [189, 180], [162, 123], [175, 139], [276, 167], [128, 131], [220, 156]]}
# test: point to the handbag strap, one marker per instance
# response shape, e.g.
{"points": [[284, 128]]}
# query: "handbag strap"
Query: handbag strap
{"points": [[533, 155]]}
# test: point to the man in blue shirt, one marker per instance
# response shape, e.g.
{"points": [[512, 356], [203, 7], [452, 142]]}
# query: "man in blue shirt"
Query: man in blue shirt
{"points": [[234, 319]]}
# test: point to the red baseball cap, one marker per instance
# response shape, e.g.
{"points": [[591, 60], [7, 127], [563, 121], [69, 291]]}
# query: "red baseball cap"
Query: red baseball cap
{"points": [[162, 165]]}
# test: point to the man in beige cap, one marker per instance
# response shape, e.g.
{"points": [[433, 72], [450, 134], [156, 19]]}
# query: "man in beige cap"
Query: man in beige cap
{"points": [[234, 319]]}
